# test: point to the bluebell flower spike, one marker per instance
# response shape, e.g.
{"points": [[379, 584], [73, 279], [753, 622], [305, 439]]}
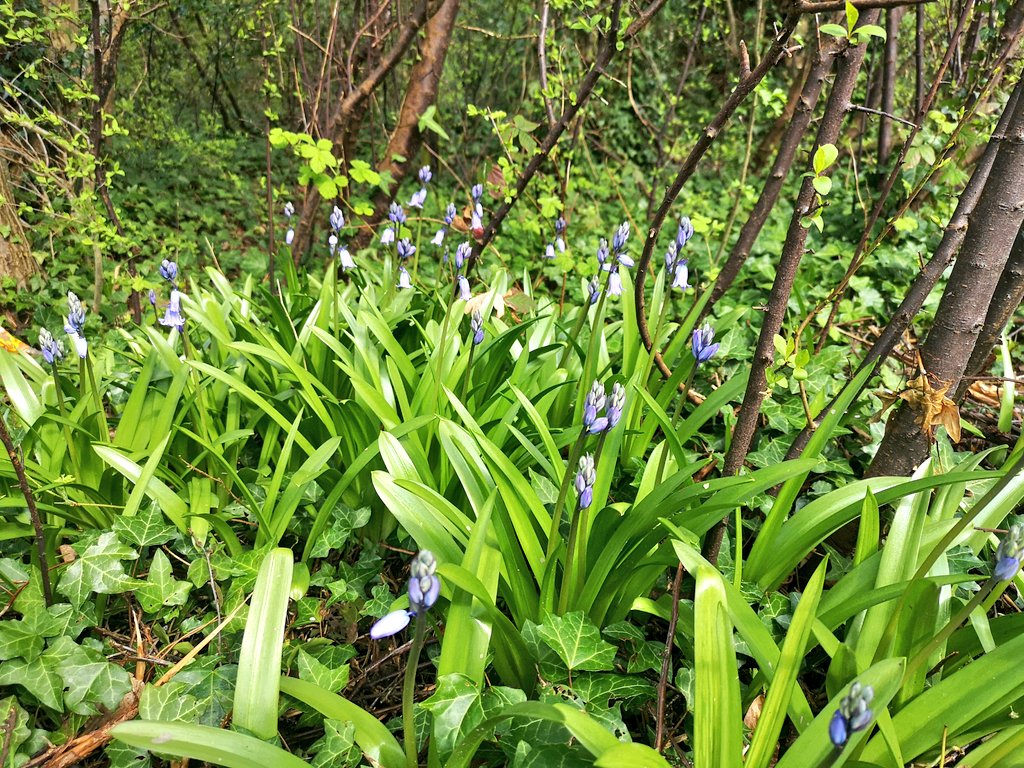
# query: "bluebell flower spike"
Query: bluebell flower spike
{"points": [[52, 352], [172, 316], [854, 714], [476, 324], [1010, 553], [593, 290], [337, 220], [462, 254], [616, 402], [424, 588], [593, 404], [684, 232], [477, 192], [405, 248], [585, 479]]}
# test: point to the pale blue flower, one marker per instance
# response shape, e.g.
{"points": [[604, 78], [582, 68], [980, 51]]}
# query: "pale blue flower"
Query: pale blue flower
{"points": [[683, 233], [419, 197], [614, 283], [337, 219], [462, 254], [405, 248], [593, 290], [464, 292], [682, 276], [172, 316], [425, 175], [477, 191], [387, 236], [403, 278]]}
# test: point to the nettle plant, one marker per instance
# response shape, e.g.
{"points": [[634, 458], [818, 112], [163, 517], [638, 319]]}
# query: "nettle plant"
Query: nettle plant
{"points": [[212, 469]]}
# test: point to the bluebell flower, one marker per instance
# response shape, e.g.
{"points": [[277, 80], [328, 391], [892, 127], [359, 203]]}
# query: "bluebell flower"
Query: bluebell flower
{"points": [[172, 316], [337, 220], [614, 282], [169, 270], [52, 352], [1008, 555], [671, 255], [593, 290], [702, 346], [682, 275], [620, 238], [549, 251], [464, 292], [289, 211], [419, 197], [345, 259], [75, 320], [152, 297], [476, 222], [602, 252], [423, 590], [593, 404], [476, 324], [683, 233], [387, 236], [396, 214], [332, 243], [425, 175], [559, 234], [405, 248], [462, 254], [477, 192], [403, 278], [852, 715], [616, 402], [585, 479], [449, 217]]}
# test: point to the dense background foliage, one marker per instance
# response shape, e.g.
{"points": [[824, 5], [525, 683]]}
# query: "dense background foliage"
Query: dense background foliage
{"points": [[250, 416]]}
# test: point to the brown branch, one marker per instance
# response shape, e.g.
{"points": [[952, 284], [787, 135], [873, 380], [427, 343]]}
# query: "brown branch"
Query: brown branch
{"points": [[338, 123], [542, 62], [888, 115], [743, 89], [860, 5], [33, 510], [605, 52]]}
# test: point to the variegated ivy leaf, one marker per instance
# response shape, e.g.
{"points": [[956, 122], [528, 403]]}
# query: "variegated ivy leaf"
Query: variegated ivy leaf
{"points": [[98, 569]]}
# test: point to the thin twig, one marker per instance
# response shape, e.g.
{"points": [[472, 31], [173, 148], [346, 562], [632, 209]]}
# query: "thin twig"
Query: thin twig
{"points": [[890, 115], [33, 510]]}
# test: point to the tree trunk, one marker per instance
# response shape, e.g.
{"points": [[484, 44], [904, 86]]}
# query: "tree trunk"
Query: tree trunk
{"points": [[885, 139], [16, 260], [797, 127], [407, 139], [1008, 296], [969, 293], [850, 61]]}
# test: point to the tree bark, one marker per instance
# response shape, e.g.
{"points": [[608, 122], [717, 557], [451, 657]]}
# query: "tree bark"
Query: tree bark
{"points": [[800, 119], [969, 293], [885, 138], [850, 61], [406, 139], [16, 260], [1008, 296]]}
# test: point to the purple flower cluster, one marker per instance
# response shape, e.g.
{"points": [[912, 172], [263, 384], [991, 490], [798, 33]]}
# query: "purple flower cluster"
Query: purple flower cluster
{"points": [[397, 217], [594, 403], [609, 261], [1009, 553], [53, 351], [675, 265], [337, 222], [586, 476], [289, 211], [702, 344], [74, 323], [853, 714]]}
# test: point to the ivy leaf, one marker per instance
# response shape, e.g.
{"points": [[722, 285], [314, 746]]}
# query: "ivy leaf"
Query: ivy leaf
{"points": [[343, 522], [146, 529], [212, 684], [457, 707], [38, 677], [169, 702], [20, 733], [120, 755], [98, 569], [161, 588], [578, 642], [19, 639], [337, 747], [333, 679]]}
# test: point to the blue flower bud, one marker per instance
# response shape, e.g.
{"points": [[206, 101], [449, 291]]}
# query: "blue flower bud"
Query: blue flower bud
{"points": [[593, 290], [289, 209], [396, 214], [477, 192], [853, 714], [425, 175], [702, 346], [337, 219], [684, 233], [585, 479], [51, 350], [462, 254], [449, 214], [620, 238], [1010, 553], [476, 324], [616, 403]]}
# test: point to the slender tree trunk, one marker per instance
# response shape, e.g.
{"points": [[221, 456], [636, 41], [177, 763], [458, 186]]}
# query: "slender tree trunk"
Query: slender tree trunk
{"points": [[801, 118], [885, 139], [16, 261], [966, 301], [1008, 296], [774, 136], [850, 61], [407, 139]]}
